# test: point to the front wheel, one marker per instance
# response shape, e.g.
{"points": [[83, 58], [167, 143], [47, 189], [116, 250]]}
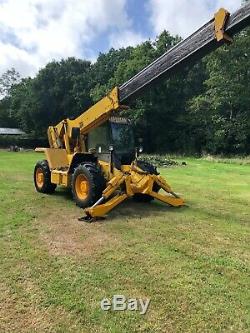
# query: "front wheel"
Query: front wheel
{"points": [[87, 184], [42, 178]]}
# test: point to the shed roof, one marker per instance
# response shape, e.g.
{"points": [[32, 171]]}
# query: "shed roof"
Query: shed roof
{"points": [[11, 131]]}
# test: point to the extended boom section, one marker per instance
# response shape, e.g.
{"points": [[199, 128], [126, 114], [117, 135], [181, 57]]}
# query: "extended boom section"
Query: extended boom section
{"points": [[203, 41]]}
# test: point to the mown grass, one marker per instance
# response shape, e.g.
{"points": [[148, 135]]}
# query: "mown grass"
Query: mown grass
{"points": [[193, 262], [171, 160], [233, 160]]}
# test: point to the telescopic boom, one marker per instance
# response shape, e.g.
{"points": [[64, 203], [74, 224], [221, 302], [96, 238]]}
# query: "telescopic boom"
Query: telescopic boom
{"points": [[205, 40], [209, 37]]}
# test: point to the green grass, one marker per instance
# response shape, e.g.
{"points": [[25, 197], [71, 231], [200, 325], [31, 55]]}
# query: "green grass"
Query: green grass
{"points": [[233, 160], [193, 262]]}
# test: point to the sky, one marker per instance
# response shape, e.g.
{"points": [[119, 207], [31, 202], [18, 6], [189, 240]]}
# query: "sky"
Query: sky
{"points": [[34, 32]]}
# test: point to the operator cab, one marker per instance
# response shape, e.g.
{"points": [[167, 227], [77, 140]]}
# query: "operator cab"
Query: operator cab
{"points": [[117, 132]]}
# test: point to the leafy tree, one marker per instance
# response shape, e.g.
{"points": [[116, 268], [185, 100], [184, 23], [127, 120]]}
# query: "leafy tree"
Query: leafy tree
{"points": [[60, 90], [24, 106], [6, 117], [103, 70], [204, 108], [220, 115], [7, 80]]}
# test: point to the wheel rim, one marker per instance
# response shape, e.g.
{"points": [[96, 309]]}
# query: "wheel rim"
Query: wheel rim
{"points": [[82, 187], [39, 177]]}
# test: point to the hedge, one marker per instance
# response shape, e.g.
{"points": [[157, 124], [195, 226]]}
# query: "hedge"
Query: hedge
{"points": [[23, 142]]}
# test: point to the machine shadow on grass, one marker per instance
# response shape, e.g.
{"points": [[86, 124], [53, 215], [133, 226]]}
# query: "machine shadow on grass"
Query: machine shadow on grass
{"points": [[63, 193], [131, 209], [127, 208]]}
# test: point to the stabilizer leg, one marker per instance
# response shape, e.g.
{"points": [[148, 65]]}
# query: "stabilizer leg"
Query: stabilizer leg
{"points": [[103, 209], [169, 199], [172, 198], [100, 209]]}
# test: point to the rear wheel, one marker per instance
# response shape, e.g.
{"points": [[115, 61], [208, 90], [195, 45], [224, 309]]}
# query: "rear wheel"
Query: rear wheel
{"points": [[42, 178], [87, 184]]}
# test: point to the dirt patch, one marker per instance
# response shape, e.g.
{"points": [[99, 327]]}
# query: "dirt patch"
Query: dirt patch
{"points": [[64, 235], [23, 315]]}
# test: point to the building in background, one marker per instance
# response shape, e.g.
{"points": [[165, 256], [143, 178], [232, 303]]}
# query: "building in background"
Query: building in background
{"points": [[11, 131]]}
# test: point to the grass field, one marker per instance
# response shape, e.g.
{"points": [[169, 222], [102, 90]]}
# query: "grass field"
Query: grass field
{"points": [[193, 262]]}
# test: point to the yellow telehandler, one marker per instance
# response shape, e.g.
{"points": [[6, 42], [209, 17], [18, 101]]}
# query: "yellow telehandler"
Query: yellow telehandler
{"points": [[95, 154]]}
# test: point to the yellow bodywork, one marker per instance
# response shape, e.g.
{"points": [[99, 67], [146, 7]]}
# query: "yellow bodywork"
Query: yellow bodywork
{"points": [[121, 184], [60, 136]]}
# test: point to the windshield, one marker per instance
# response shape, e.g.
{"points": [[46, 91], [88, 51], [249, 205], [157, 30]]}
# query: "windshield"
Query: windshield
{"points": [[99, 138], [123, 137]]}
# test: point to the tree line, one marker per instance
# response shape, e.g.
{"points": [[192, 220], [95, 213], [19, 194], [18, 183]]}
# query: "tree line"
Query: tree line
{"points": [[202, 109]]}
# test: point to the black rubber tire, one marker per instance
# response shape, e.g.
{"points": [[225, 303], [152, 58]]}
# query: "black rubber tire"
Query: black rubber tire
{"points": [[96, 180], [151, 169], [48, 187], [147, 167]]}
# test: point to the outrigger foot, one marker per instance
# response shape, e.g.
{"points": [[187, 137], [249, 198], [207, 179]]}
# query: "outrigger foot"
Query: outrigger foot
{"points": [[90, 219]]}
